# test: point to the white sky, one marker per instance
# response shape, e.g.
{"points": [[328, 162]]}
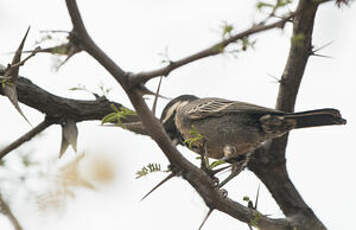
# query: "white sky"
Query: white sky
{"points": [[320, 160]]}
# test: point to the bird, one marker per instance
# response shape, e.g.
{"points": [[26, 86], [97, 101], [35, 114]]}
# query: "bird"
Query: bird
{"points": [[229, 129]]}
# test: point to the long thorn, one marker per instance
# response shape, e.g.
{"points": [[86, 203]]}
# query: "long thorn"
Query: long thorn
{"points": [[156, 97], [234, 172], [18, 52], [323, 46], [13, 72], [257, 195], [321, 55], [171, 175], [205, 218], [221, 169]]}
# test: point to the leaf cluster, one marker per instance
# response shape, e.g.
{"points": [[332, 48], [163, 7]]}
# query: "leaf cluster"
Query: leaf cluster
{"points": [[150, 168], [195, 139], [117, 116]]}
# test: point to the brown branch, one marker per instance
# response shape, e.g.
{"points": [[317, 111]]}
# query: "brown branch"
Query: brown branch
{"points": [[26, 137], [204, 185], [269, 163], [79, 32], [215, 49], [5, 209], [59, 108]]}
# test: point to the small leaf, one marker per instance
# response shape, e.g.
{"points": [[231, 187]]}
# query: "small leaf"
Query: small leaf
{"points": [[111, 117], [114, 108], [216, 163], [150, 168], [61, 49], [69, 136], [116, 116], [195, 138], [75, 88], [261, 5]]}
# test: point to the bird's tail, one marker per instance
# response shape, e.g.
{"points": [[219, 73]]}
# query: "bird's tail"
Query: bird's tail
{"points": [[319, 117]]}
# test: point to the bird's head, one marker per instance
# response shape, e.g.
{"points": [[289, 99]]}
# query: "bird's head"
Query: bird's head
{"points": [[169, 113]]}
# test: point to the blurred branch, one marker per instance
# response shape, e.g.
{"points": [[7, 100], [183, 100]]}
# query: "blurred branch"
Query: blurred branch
{"points": [[26, 137], [5, 209]]}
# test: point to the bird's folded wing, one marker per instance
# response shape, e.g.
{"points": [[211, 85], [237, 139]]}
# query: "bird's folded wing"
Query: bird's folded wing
{"points": [[215, 107]]}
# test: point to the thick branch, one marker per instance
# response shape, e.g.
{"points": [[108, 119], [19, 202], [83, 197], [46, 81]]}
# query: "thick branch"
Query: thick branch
{"points": [[58, 107], [211, 51], [269, 163], [275, 177]]}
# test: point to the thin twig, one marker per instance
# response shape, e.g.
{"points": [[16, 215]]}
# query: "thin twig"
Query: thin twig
{"points": [[215, 49], [5, 209], [26, 137], [21, 63]]}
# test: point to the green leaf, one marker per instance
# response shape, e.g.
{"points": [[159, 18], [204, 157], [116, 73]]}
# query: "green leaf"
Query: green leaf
{"points": [[75, 88], [261, 5], [110, 118], [216, 163], [195, 139], [116, 116], [150, 168], [114, 108]]}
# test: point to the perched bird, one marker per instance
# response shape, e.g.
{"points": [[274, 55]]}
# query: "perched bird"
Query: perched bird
{"points": [[232, 128]]}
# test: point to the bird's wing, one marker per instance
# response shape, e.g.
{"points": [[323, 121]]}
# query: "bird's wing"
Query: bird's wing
{"points": [[208, 107]]}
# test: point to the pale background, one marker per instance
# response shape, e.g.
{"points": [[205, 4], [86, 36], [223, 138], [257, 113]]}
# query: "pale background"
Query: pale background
{"points": [[133, 32]]}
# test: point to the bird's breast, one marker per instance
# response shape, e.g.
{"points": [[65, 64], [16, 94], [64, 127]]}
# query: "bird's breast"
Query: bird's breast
{"points": [[241, 133]]}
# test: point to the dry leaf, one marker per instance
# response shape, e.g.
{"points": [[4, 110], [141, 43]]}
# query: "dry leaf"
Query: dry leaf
{"points": [[70, 175]]}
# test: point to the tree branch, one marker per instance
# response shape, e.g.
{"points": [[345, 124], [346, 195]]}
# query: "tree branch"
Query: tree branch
{"points": [[215, 49], [269, 162], [59, 108], [204, 185], [79, 31], [5, 209], [26, 137]]}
